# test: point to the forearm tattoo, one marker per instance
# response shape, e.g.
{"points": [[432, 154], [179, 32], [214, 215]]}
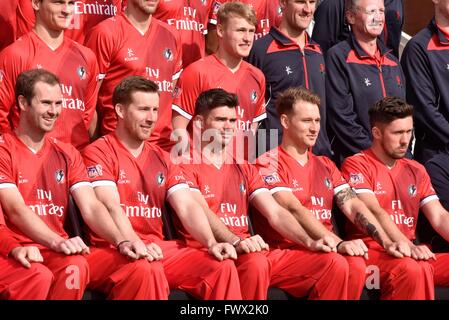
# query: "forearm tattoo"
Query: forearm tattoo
{"points": [[364, 225], [344, 195]]}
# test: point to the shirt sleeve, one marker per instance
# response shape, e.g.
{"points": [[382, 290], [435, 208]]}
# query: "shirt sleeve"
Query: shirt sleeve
{"points": [[427, 192], [191, 177], [260, 104], [100, 165], [7, 175], [92, 90], [254, 180], [77, 170], [179, 63], [187, 90], [338, 181], [357, 174], [273, 175], [9, 70], [101, 42], [175, 178], [213, 13]]}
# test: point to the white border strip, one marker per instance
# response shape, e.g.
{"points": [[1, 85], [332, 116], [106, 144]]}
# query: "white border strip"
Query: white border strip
{"points": [[181, 112], [261, 117], [277, 189], [364, 191], [8, 185], [341, 188], [177, 187], [428, 199], [80, 184], [104, 183], [256, 192]]}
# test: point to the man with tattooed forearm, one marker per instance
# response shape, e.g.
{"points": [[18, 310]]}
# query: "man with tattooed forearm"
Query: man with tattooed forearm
{"points": [[298, 178]]}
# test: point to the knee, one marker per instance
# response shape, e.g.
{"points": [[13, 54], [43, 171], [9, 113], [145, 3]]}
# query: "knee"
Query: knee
{"points": [[337, 263], [143, 267], [77, 264], [357, 266], [254, 263], [408, 268], [41, 273]]}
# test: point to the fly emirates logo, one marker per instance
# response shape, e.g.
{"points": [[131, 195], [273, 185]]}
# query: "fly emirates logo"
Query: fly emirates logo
{"points": [[398, 216], [142, 210], [69, 102], [229, 215], [46, 207], [155, 75], [92, 8], [320, 212], [189, 22], [101, 8], [264, 26]]}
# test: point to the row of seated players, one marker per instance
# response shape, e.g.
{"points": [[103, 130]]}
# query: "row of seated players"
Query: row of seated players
{"points": [[75, 225]]}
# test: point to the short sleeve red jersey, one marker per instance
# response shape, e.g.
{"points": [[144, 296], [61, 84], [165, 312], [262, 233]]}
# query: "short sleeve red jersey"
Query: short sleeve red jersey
{"points": [[227, 190], [400, 190], [143, 183], [313, 184], [268, 14], [77, 70], [247, 82], [43, 178], [123, 51], [190, 18]]}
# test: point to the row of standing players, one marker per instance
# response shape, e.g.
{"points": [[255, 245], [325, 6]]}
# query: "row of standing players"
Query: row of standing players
{"points": [[226, 59]]}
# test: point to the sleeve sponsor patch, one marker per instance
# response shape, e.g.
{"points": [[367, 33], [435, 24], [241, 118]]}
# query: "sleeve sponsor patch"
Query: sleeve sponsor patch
{"points": [[356, 178], [271, 179], [95, 171]]}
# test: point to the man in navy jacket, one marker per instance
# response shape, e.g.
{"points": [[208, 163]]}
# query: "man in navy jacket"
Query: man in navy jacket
{"points": [[426, 66], [360, 71]]}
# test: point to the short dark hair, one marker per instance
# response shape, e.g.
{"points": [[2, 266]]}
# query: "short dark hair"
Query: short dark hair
{"points": [[26, 81], [286, 99], [214, 98], [236, 9], [389, 109], [129, 85]]}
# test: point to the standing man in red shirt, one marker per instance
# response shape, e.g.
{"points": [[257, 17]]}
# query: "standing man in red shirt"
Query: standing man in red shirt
{"points": [[226, 187], [268, 14], [190, 18], [226, 69], [37, 174], [136, 43], [395, 189], [134, 179], [46, 47], [17, 18], [21, 276], [299, 178]]}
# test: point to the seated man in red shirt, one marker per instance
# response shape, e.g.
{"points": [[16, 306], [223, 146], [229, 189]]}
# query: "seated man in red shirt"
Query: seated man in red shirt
{"points": [[37, 174], [226, 188], [134, 178], [395, 189], [21, 276], [299, 178]]}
